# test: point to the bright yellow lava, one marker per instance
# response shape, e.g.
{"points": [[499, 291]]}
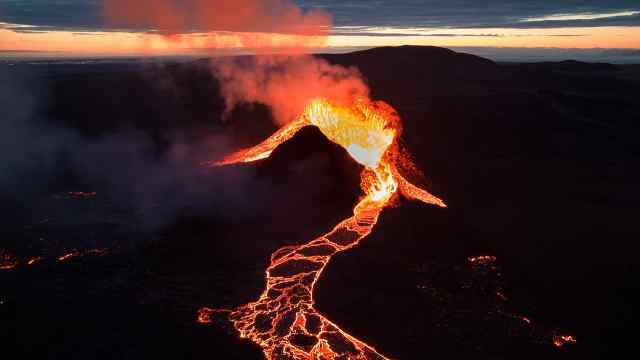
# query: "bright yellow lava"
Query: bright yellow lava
{"points": [[283, 321]]}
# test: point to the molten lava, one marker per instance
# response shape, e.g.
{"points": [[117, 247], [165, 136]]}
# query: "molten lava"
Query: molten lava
{"points": [[561, 340], [9, 262], [283, 321], [482, 260], [34, 260], [68, 256], [76, 253]]}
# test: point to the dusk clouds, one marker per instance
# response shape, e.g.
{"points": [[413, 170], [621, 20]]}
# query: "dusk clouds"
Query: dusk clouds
{"points": [[88, 14], [210, 27]]}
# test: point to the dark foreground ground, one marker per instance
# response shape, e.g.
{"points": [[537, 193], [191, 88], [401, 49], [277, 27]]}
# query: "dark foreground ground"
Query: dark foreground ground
{"points": [[537, 162]]}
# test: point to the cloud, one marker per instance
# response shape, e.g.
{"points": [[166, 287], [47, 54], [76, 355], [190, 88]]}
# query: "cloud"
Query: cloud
{"points": [[468, 13], [57, 14], [580, 16], [286, 83], [389, 31], [401, 31], [41, 159], [87, 14], [258, 16]]}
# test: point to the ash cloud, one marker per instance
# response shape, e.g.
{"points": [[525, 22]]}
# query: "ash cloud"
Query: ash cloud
{"points": [[168, 16], [158, 182], [159, 186], [29, 145], [286, 83], [146, 187]]}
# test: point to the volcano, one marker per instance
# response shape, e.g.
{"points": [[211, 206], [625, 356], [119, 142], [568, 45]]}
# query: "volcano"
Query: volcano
{"points": [[283, 321]]}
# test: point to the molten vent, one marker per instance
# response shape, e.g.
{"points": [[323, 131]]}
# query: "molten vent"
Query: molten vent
{"points": [[283, 321]]}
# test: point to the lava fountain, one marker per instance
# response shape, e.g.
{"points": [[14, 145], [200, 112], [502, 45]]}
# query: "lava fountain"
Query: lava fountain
{"points": [[283, 321]]}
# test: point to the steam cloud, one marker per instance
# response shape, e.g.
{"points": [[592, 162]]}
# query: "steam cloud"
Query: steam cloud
{"points": [[170, 16], [127, 163], [284, 82], [42, 161]]}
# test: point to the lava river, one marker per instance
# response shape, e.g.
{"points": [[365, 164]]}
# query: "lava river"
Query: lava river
{"points": [[283, 321]]}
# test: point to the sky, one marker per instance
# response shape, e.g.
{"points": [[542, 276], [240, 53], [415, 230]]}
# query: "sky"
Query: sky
{"points": [[80, 27]]}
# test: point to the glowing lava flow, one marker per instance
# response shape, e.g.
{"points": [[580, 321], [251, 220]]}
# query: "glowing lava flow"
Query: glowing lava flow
{"points": [[8, 262], [283, 320]]}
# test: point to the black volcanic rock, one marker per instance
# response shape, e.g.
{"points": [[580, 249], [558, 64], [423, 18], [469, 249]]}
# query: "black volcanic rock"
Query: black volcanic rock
{"points": [[536, 167], [417, 70], [572, 66], [419, 62], [537, 163]]}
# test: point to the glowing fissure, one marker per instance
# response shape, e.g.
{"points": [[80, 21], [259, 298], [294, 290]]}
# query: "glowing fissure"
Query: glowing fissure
{"points": [[283, 321], [8, 262]]}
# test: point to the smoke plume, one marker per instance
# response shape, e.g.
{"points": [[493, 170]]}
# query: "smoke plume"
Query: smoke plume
{"points": [[257, 24], [139, 186], [284, 82]]}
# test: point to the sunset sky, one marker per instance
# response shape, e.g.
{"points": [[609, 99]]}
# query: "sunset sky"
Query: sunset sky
{"points": [[79, 27]]}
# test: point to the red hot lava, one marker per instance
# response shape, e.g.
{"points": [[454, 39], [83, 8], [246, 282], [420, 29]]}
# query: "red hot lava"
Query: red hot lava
{"points": [[283, 321]]}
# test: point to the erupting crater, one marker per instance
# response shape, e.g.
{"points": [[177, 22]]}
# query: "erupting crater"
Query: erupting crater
{"points": [[283, 321]]}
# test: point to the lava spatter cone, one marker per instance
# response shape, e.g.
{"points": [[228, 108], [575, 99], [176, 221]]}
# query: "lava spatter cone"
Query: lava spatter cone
{"points": [[283, 321]]}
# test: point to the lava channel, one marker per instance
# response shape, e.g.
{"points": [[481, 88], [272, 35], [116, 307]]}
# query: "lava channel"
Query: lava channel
{"points": [[283, 321]]}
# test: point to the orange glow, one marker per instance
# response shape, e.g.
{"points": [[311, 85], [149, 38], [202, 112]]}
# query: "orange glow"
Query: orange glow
{"points": [[129, 43], [7, 261], [172, 17], [560, 340], [75, 253], [7, 265], [68, 256], [240, 24], [34, 260], [569, 37], [264, 149], [482, 259], [204, 315], [285, 311]]}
